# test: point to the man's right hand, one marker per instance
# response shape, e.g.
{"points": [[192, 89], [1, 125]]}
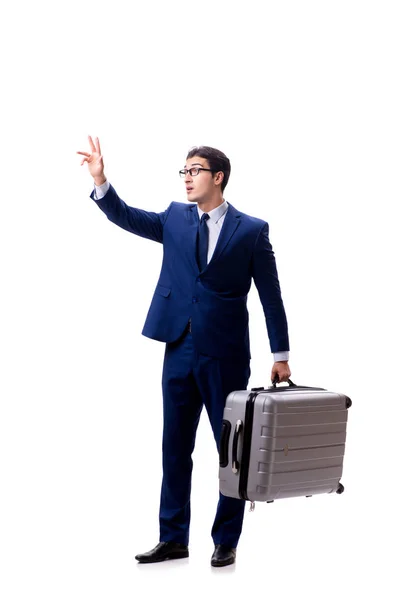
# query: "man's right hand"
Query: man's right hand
{"points": [[94, 161]]}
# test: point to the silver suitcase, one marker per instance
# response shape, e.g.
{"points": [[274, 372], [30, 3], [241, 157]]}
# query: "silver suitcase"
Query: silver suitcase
{"points": [[282, 442]]}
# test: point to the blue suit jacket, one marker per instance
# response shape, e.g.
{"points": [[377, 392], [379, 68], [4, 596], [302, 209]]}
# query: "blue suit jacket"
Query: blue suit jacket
{"points": [[215, 299]]}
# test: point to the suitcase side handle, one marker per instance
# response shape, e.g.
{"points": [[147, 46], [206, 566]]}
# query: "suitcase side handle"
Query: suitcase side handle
{"points": [[224, 442], [235, 462]]}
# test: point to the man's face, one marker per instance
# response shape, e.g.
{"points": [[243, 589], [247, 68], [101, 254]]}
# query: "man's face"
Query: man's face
{"points": [[199, 188]]}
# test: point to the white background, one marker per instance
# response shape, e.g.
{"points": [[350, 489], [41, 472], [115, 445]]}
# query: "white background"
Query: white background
{"points": [[303, 96]]}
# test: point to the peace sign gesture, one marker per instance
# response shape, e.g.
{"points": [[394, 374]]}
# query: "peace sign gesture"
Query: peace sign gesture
{"points": [[94, 161]]}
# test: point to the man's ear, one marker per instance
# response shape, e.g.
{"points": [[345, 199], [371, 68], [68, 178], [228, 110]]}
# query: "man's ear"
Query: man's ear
{"points": [[220, 177]]}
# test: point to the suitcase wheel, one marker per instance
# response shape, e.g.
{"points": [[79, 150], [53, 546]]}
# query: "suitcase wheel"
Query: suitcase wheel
{"points": [[340, 489]]}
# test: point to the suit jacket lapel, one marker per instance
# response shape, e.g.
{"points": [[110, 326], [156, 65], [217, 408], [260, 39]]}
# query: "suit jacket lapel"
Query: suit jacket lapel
{"points": [[231, 223]]}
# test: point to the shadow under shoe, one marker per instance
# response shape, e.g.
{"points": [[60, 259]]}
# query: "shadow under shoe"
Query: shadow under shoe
{"points": [[164, 551]]}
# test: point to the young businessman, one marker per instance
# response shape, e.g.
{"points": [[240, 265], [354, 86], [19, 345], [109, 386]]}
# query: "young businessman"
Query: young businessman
{"points": [[211, 254]]}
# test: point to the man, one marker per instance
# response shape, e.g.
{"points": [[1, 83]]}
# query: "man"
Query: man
{"points": [[211, 253]]}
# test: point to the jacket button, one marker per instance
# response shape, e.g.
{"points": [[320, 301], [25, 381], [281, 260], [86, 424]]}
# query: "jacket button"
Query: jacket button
{"points": [[194, 300]]}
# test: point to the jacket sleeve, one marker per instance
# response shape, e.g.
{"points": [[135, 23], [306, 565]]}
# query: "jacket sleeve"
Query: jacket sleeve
{"points": [[265, 275], [135, 220]]}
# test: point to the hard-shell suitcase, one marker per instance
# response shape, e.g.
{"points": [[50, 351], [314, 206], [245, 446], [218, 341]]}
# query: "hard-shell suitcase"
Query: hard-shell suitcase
{"points": [[282, 442]]}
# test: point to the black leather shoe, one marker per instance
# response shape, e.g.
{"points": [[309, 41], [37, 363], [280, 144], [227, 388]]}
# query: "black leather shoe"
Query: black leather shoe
{"points": [[223, 556], [164, 551]]}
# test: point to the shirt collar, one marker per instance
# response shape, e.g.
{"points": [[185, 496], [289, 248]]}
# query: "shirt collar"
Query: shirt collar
{"points": [[216, 213]]}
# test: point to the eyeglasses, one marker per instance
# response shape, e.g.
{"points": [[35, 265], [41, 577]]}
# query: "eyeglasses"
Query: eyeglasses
{"points": [[193, 171]]}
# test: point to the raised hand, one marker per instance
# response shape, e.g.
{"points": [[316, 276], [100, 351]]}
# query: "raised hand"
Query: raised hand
{"points": [[94, 161]]}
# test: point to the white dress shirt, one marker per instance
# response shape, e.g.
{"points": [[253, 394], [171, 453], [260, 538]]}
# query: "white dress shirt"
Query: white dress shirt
{"points": [[214, 224]]}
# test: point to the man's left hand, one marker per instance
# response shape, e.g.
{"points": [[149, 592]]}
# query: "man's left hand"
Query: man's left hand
{"points": [[282, 370]]}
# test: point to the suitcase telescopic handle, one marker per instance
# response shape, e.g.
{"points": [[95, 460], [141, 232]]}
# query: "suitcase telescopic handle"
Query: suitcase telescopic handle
{"points": [[235, 462]]}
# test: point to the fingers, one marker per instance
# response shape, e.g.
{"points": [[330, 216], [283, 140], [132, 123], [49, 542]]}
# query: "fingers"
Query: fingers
{"points": [[92, 146], [281, 371], [97, 142], [95, 146], [84, 154]]}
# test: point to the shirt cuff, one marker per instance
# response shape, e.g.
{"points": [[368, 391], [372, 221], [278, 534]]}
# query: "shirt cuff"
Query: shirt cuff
{"points": [[101, 190], [278, 356]]}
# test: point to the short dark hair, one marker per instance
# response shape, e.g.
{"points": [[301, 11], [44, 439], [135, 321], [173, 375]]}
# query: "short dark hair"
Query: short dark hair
{"points": [[217, 160]]}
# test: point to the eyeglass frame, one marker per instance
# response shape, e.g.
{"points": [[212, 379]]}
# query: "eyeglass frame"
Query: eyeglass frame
{"points": [[184, 172]]}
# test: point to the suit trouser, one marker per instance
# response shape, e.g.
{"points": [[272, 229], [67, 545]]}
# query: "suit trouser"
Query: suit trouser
{"points": [[189, 381]]}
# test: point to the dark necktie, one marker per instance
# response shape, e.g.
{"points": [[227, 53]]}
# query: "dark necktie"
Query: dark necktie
{"points": [[202, 241]]}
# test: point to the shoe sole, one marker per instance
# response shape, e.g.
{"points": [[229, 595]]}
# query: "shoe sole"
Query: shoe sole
{"points": [[171, 557]]}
